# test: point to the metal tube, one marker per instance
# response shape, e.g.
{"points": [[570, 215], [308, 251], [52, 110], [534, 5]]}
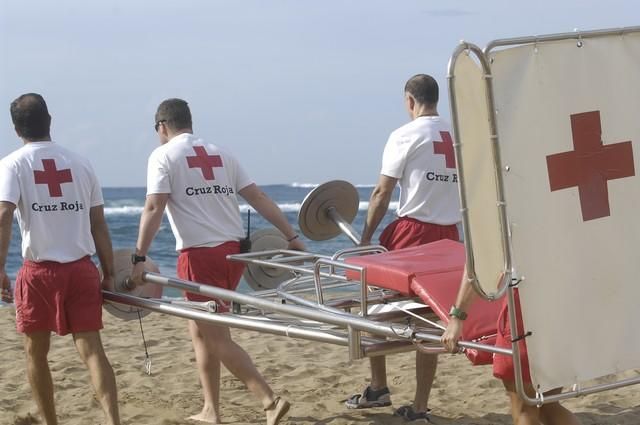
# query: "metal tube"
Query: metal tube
{"points": [[344, 321], [558, 37], [586, 391], [297, 269], [301, 301], [517, 365], [345, 227], [371, 249], [363, 282], [227, 319], [306, 313], [355, 344], [388, 347]]}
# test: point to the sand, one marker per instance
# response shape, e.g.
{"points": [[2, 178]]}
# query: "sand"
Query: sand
{"points": [[315, 378]]}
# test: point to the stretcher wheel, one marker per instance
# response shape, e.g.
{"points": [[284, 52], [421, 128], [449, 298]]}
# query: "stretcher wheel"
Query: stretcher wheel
{"points": [[123, 267], [264, 277], [314, 220]]}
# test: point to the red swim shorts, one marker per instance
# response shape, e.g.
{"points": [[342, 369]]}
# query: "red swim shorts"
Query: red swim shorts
{"points": [[209, 266], [58, 297], [406, 232], [502, 364]]}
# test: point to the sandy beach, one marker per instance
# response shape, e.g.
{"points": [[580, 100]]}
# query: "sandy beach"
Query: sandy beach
{"points": [[315, 378]]}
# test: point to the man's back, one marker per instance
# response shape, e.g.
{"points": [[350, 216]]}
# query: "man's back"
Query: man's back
{"points": [[54, 190], [203, 182], [420, 155]]}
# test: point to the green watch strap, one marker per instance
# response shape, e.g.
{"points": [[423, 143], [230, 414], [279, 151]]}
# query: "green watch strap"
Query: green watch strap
{"points": [[457, 313]]}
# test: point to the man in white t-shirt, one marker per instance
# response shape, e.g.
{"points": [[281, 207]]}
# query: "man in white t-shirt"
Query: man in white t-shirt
{"points": [[58, 289], [419, 158], [199, 184]]}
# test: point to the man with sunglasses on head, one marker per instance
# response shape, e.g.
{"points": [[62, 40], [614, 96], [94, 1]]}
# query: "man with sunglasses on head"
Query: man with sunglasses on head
{"points": [[199, 183]]}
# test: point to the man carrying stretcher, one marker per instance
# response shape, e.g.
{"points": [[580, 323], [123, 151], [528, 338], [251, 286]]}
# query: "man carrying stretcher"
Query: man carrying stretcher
{"points": [[503, 368], [419, 158]]}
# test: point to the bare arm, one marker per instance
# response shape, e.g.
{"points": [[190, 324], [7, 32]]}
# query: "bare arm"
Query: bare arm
{"points": [[150, 222], [465, 298], [378, 206], [102, 240], [466, 294], [269, 210], [6, 221]]}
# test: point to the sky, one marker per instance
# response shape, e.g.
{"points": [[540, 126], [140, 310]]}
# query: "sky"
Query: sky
{"points": [[299, 91]]}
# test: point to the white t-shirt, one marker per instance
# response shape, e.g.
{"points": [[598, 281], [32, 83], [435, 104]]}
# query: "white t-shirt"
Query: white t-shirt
{"points": [[53, 189], [420, 155], [202, 181]]}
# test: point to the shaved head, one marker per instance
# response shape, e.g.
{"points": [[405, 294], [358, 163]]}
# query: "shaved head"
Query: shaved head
{"points": [[424, 89]]}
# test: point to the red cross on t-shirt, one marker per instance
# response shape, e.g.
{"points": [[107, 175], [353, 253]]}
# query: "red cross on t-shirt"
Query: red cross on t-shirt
{"points": [[204, 161], [590, 165], [52, 177], [445, 147]]}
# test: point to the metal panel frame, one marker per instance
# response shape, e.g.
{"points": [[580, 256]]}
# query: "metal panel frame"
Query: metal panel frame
{"points": [[483, 57], [505, 278]]}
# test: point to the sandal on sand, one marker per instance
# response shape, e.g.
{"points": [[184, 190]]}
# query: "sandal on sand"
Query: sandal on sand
{"points": [[410, 415], [369, 398], [281, 407]]}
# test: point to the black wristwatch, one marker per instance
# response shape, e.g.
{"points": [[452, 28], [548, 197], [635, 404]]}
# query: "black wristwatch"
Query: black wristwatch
{"points": [[135, 259]]}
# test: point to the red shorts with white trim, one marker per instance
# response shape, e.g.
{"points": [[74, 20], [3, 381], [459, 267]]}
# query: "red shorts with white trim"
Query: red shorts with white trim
{"points": [[58, 297], [406, 232], [502, 364], [209, 266]]}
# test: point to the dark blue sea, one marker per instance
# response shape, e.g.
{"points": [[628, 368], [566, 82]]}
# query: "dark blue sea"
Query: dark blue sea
{"points": [[123, 207]]}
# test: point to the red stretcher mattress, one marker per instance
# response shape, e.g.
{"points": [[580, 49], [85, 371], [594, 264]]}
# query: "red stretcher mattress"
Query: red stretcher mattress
{"points": [[432, 272]]}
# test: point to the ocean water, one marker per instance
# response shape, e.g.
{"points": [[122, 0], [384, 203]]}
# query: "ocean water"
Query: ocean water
{"points": [[123, 207]]}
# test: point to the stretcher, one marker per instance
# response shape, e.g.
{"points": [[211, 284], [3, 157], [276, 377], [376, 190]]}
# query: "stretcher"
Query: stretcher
{"points": [[372, 301], [433, 273]]}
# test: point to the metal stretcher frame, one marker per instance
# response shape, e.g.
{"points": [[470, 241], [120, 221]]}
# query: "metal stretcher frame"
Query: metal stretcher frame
{"points": [[507, 287], [401, 337]]}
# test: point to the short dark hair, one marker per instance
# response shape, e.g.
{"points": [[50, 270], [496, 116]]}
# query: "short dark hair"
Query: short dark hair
{"points": [[423, 88], [31, 117], [174, 113]]}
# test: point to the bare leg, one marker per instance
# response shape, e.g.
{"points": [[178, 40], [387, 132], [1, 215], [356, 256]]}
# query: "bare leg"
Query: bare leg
{"points": [[378, 372], [548, 414], [91, 352], [426, 365], [209, 373], [216, 341], [36, 347], [556, 414], [522, 413]]}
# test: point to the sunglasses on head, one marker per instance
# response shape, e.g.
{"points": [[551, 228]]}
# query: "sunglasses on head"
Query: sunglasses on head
{"points": [[157, 126]]}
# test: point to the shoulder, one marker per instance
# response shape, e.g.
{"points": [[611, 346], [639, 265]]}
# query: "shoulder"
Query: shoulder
{"points": [[12, 159], [75, 158], [403, 136], [17, 160], [441, 124], [159, 152], [227, 156], [416, 128], [421, 129]]}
